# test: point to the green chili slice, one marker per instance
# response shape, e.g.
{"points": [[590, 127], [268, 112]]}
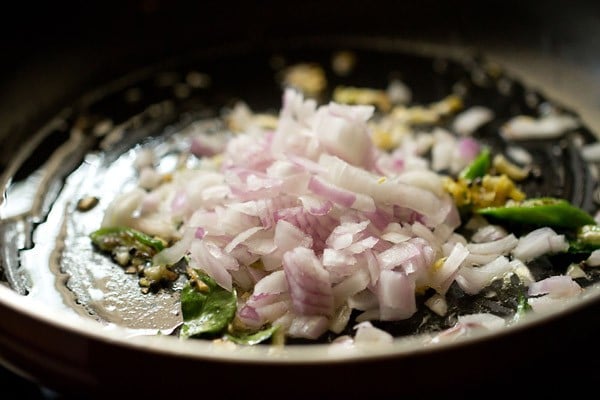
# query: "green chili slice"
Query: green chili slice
{"points": [[109, 238], [478, 167], [543, 211]]}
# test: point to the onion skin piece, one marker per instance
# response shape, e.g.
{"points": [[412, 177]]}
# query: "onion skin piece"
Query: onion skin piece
{"points": [[543, 211]]}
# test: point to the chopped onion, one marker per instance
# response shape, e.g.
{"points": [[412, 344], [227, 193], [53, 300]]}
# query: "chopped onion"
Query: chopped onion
{"points": [[367, 333], [547, 127], [315, 223], [468, 121], [539, 241]]}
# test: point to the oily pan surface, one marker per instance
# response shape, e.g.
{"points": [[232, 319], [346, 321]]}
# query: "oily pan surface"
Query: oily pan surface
{"points": [[102, 136]]}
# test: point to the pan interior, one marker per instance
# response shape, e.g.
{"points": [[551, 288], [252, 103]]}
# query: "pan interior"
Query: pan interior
{"points": [[89, 151]]}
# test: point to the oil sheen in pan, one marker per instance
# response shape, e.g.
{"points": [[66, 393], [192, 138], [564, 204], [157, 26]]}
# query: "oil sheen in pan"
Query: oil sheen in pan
{"points": [[88, 152]]}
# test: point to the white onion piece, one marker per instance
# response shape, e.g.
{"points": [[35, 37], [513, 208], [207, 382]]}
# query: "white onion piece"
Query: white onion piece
{"points": [[395, 237], [333, 258], [243, 278], [443, 276], [145, 158], [593, 259], [152, 201], [149, 178], [366, 333], [421, 231], [482, 320], [315, 206], [372, 265], [468, 121], [488, 233], [193, 192], [233, 222], [546, 127], [364, 300], [343, 131], [442, 149], [350, 286], [120, 211], [287, 237], [473, 279], [424, 179], [549, 304], [211, 259], [308, 282], [171, 255], [207, 221], [306, 163], [155, 224], [399, 92], [499, 246], [242, 237], [244, 257], [555, 286], [341, 196], [397, 255], [207, 144], [467, 324], [437, 303], [362, 245], [274, 282], [308, 326], [344, 234], [387, 192], [575, 271], [371, 314], [538, 242], [522, 271], [263, 308], [396, 294], [261, 243], [340, 319], [341, 345], [519, 155], [479, 259]]}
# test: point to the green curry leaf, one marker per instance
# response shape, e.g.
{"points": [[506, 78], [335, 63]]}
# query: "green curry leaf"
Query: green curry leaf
{"points": [[206, 312], [252, 338]]}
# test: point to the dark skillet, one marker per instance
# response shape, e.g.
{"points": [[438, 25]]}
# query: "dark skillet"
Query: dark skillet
{"points": [[262, 91]]}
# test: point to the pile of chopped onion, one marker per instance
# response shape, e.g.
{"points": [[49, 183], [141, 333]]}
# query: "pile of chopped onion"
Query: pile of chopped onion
{"points": [[310, 221]]}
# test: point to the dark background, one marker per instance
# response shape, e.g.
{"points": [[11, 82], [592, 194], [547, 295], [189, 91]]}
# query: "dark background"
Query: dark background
{"points": [[53, 52]]}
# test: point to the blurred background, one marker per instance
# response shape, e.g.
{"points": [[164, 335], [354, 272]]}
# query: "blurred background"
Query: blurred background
{"points": [[53, 52]]}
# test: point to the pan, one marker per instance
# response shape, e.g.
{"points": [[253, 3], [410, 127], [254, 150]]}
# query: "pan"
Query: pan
{"points": [[102, 334]]}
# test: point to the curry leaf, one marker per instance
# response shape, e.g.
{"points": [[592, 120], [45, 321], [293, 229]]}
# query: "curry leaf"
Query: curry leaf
{"points": [[252, 338], [206, 312]]}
